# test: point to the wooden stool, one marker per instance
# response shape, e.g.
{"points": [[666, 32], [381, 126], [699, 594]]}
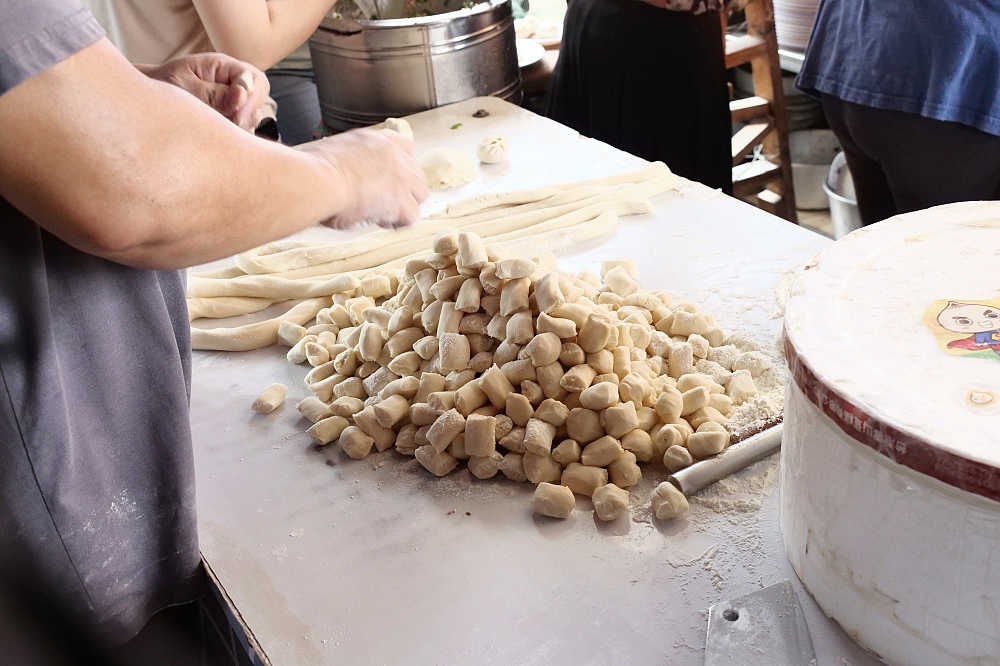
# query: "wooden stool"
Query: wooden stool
{"points": [[764, 113]]}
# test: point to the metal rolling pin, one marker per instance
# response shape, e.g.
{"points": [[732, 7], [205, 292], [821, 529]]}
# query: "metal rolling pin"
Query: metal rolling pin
{"points": [[742, 454]]}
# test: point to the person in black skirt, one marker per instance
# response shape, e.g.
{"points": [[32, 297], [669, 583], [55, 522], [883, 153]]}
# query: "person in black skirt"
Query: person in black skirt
{"points": [[648, 77]]}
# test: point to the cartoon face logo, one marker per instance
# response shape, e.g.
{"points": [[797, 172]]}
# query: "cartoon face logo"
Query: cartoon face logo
{"points": [[981, 398], [966, 328], [969, 318]]}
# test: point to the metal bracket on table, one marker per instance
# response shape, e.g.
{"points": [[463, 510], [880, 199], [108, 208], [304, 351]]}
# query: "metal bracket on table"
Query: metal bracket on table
{"points": [[742, 454], [763, 628]]}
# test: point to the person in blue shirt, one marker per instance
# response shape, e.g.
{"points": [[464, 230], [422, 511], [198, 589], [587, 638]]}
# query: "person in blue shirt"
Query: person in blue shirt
{"points": [[911, 88]]}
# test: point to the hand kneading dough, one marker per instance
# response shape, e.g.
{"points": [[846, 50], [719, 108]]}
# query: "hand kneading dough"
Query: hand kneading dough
{"points": [[445, 167], [399, 126], [493, 149]]}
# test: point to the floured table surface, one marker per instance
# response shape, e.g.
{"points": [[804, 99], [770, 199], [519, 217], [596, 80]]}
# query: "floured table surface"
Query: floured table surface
{"points": [[332, 561]]}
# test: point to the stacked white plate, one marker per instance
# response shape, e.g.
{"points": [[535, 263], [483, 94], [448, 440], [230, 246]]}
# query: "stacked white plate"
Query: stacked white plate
{"points": [[793, 21]]}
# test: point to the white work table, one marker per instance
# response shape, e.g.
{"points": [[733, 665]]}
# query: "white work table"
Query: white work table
{"points": [[328, 560]]}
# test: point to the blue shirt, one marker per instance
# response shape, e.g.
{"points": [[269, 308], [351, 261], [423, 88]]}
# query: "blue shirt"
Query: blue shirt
{"points": [[936, 58]]}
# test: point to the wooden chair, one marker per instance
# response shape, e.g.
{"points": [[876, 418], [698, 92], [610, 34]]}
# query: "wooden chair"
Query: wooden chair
{"points": [[764, 112]]}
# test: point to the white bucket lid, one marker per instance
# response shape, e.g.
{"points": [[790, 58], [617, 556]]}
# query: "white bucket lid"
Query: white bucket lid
{"points": [[865, 340]]}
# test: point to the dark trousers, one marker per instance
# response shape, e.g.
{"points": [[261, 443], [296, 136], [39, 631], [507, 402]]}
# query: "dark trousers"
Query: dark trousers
{"points": [[648, 81], [295, 93], [903, 162]]}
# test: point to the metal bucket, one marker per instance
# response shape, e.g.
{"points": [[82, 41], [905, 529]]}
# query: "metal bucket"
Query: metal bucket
{"points": [[367, 71], [839, 188], [812, 153]]}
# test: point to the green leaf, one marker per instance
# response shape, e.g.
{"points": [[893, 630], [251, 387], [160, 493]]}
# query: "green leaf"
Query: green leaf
{"points": [[456, 125]]}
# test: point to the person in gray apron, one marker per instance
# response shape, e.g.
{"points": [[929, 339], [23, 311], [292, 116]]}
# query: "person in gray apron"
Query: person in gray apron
{"points": [[110, 184]]}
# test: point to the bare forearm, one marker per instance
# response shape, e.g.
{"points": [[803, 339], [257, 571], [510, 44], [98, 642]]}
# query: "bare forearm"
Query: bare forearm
{"points": [[141, 173], [261, 32]]}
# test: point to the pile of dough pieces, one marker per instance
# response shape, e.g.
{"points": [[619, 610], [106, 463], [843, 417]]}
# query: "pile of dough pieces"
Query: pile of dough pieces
{"points": [[509, 365]]}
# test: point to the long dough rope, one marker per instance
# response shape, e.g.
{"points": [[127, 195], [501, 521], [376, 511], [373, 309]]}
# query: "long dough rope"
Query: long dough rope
{"points": [[644, 190], [255, 336], [225, 306], [553, 238], [271, 286], [483, 201], [285, 255], [224, 273], [491, 199], [646, 173], [485, 228], [560, 238], [264, 260], [544, 219], [580, 196]]}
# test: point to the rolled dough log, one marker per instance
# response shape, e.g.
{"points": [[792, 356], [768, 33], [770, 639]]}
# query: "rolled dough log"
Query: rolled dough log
{"points": [[219, 273], [561, 238], [225, 306], [482, 213], [511, 227], [420, 238], [492, 199], [649, 188], [257, 262], [654, 170], [255, 336], [270, 286]]}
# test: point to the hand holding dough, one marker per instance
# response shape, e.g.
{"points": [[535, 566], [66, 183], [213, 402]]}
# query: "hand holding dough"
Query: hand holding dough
{"points": [[445, 167], [493, 149]]}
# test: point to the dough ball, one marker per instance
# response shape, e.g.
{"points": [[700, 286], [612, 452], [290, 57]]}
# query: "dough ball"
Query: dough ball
{"points": [[493, 149], [524, 28], [445, 167], [547, 30], [399, 126]]}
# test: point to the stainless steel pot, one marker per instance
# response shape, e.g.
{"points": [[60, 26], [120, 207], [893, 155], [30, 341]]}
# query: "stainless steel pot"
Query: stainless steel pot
{"points": [[367, 71]]}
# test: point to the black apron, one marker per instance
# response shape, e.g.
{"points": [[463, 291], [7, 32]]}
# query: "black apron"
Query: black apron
{"points": [[648, 81]]}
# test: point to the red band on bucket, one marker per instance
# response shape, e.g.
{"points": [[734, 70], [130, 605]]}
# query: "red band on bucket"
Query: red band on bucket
{"points": [[903, 448]]}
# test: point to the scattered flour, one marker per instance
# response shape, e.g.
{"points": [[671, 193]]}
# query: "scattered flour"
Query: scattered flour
{"points": [[764, 409], [708, 564]]}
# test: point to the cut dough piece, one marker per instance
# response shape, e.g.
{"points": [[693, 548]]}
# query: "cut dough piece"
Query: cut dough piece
{"points": [[610, 501], [270, 399], [446, 167], [553, 501], [399, 126], [667, 502], [493, 149]]}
